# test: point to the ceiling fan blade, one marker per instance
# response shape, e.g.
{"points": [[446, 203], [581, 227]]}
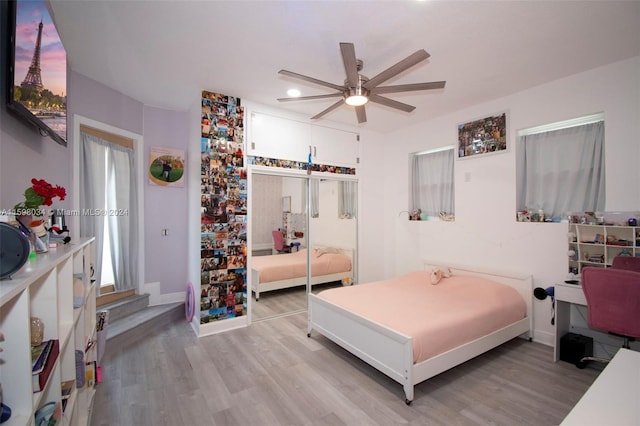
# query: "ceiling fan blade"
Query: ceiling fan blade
{"points": [[350, 63], [307, 98], [310, 79], [391, 103], [396, 69], [408, 87], [361, 114], [328, 110]]}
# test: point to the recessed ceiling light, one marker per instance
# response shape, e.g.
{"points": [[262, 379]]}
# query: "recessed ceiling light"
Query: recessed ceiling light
{"points": [[294, 93]]}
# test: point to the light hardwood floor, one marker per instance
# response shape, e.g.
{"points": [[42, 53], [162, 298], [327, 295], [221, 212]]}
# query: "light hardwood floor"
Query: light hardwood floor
{"points": [[271, 373], [284, 301]]}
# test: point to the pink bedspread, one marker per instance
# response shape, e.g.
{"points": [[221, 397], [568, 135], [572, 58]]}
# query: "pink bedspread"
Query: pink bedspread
{"points": [[439, 317], [294, 265]]}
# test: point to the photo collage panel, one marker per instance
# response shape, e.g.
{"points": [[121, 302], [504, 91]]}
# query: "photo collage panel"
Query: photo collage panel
{"points": [[223, 209]]}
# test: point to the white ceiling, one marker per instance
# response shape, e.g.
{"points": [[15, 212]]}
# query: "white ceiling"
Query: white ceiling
{"points": [[163, 53]]}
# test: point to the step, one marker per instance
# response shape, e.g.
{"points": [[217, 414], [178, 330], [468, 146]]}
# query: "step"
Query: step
{"points": [[125, 307], [143, 322], [108, 295]]}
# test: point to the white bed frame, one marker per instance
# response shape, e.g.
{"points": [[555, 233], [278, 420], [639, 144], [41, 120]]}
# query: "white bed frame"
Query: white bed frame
{"points": [[258, 288], [392, 353]]}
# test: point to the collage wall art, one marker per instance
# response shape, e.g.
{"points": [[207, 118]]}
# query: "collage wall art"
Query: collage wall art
{"points": [[223, 209]]}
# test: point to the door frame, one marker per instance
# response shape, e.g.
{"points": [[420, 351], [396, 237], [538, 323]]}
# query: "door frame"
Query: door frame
{"points": [[138, 144]]}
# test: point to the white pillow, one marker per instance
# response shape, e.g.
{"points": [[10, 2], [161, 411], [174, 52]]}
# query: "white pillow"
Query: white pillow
{"points": [[319, 251]]}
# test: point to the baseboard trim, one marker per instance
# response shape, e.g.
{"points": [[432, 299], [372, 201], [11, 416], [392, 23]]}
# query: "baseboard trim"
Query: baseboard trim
{"points": [[155, 298]]}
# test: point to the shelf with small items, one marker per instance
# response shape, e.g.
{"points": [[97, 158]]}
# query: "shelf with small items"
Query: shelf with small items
{"points": [[596, 245], [37, 305]]}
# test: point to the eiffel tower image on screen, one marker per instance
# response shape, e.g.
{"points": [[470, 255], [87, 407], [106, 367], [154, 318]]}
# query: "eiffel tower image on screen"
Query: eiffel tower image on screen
{"points": [[33, 79]]}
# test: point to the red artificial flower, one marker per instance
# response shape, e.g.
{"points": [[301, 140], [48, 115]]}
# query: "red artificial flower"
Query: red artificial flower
{"points": [[41, 193], [48, 191]]}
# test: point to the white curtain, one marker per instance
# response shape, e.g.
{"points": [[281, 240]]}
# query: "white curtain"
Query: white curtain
{"points": [[314, 197], [109, 168], [92, 183], [433, 187], [347, 202], [123, 230], [562, 171]]}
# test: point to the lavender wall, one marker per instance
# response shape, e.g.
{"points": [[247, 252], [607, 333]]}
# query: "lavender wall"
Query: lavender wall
{"points": [[90, 99], [25, 154], [165, 207], [94, 100]]}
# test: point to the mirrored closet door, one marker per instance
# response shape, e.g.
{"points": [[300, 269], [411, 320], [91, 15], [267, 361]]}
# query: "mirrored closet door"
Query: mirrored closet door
{"points": [[278, 237], [300, 226], [333, 232]]}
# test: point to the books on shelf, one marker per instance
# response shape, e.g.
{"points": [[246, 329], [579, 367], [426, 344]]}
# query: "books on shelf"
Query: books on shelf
{"points": [[39, 355], [66, 389], [90, 373], [39, 380]]}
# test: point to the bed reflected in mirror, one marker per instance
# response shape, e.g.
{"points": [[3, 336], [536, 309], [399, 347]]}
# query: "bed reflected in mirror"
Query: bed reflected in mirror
{"points": [[278, 283], [278, 230]]}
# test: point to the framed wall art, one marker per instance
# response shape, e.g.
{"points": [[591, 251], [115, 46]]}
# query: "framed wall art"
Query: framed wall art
{"points": [[484, 136], [166, 167]]}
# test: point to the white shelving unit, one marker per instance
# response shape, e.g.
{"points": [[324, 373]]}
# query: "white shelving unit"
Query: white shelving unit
{"points": [[597, 245], [43, 288]]}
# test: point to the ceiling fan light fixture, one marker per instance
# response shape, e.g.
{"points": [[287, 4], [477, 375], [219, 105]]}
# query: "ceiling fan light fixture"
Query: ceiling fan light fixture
{"points": [[358, 96], [358, 89], [356, 100]]}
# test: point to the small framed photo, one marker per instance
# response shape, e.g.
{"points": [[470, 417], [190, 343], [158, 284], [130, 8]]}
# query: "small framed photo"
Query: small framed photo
{"points": [[166, 167], [484, 136]]}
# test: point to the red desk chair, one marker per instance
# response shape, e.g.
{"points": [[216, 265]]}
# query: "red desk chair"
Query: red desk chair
{"points": [[613, 302], [629, 263], [278, 242]]}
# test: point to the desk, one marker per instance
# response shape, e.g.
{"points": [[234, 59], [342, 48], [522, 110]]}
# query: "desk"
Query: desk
{"points": [[565, 296], [294, 243], [614, 397]]}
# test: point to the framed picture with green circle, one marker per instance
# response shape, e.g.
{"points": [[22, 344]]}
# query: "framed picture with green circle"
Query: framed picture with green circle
{"points": [[166, 167]]}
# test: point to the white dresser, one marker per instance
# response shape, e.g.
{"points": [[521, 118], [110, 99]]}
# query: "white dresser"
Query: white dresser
{"points": [[614, 397]]}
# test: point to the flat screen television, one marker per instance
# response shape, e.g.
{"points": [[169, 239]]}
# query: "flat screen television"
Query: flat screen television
{"points": [[37, 69]]}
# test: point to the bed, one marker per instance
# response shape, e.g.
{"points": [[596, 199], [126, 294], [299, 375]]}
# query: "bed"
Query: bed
{"points": [[364, 319], [287, 270]]}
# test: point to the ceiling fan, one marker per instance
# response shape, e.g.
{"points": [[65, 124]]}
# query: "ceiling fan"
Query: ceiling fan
{"points": [[357, 89]]}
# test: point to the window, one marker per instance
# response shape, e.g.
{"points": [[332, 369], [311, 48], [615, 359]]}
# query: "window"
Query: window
{"points": [[347, 200], [432, 183], [314, 197], [561, 168]]}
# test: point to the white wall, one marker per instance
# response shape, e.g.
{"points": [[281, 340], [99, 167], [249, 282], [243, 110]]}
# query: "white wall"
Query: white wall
{"points": [[373, 204], [328, 229], [485, 231], [296, 189], [267, 203]]}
